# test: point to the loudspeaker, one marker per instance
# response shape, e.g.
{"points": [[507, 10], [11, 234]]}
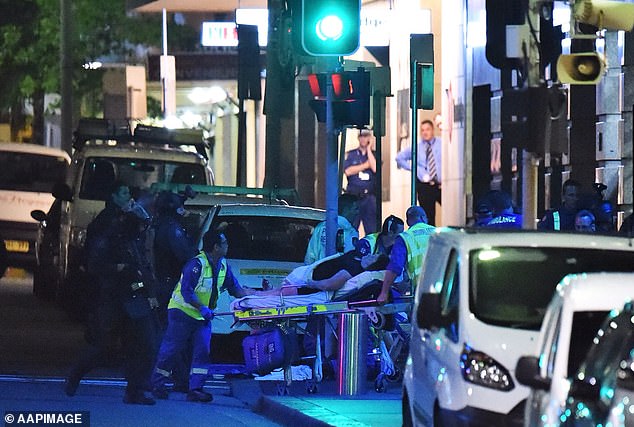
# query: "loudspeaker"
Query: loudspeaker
{"points": [[580, 68]]}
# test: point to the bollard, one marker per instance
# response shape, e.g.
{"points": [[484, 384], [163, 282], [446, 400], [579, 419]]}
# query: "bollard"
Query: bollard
{"points": [[353, 329]]}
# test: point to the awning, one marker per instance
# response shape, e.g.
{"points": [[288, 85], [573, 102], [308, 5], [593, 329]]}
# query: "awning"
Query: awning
{"points": [[151, 6]]}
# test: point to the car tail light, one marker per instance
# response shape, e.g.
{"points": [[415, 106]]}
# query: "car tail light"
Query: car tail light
{"points": [[481, 369]]}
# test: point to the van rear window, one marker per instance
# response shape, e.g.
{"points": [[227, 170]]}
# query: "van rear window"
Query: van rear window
{"points": [[266, 238], [30, 172], [139, 174], [512, 286]]}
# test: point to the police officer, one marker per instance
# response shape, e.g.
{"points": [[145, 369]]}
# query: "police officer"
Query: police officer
{"points": [[172, 246], [360, 169], [408, 251], [190, 312], [124, 297], [381, 243], [564, 217]]}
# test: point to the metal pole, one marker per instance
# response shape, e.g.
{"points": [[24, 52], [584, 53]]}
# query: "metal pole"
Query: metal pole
{"points": [[332, 185], [529, 190], [414, 103], [352, 341], [66, 75]]}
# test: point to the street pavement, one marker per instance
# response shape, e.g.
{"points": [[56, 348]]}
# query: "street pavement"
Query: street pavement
{"points": [[38, 344]]}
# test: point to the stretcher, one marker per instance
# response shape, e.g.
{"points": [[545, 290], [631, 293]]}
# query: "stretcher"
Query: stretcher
{"points": [[295, 311]]}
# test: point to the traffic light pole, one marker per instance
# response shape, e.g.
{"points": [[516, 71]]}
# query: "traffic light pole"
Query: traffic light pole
{"points": [[332, 173], [414, 104]]}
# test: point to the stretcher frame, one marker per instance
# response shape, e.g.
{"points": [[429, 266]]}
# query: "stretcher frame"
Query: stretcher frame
{"points": [[293, 315]]}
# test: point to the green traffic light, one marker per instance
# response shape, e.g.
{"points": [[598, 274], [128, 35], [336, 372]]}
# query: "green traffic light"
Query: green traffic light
{"points": [[329, 28]]}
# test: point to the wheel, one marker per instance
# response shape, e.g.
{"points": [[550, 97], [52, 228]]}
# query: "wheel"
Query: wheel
{"points": [[396, 376], [380, 321], [44, 283], [311, 388]]}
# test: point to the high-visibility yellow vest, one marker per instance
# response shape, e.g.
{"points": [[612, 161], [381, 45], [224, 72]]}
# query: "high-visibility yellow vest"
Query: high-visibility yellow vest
{"points": [[203, 290], [372, 239], [416, 238]]}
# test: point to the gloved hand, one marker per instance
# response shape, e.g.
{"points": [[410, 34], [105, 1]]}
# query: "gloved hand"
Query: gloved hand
{"points": [[206, 312]]}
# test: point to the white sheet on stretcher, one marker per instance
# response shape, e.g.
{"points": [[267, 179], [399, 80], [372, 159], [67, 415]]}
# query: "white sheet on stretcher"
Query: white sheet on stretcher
{"points": [[266, 301]]}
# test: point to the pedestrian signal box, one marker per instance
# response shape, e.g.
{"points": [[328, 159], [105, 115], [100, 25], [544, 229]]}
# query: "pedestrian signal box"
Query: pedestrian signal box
{"points": [[351, 97]]}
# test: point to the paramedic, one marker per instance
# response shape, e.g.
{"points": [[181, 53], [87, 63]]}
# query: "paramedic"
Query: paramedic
{"points": [[564, 217], [189, 315], [381, 243], [408, 251], [348, 209]]}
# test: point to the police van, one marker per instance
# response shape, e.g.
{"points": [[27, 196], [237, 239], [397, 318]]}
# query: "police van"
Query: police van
{"points": [[28, 173], [107, 151]]}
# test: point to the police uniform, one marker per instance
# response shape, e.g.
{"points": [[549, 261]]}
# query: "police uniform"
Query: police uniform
{"points": [[362, 185]]}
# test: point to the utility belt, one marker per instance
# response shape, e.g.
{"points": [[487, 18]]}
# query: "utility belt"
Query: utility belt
{"points": [[360, 193]]}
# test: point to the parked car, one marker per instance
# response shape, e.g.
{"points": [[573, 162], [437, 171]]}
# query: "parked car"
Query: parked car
{"points": [[478, 307], [106, 151], [28, 173], [266, 242], [575, 314]]}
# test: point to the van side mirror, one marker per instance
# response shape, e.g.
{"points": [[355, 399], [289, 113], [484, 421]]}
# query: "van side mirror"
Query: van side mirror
{"points": [[38, 215], [527, 373], [428, 311], [63, 192]]}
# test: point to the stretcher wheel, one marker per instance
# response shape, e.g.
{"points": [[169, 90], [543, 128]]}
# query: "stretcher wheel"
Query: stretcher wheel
{"points": [[311, 388], [396, 376], [379, 323]]}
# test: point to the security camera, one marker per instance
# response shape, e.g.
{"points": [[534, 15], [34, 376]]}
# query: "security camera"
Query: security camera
{"points": [[611, 15]]}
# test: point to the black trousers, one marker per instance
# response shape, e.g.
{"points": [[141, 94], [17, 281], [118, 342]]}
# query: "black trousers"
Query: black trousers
{"points": [[367, 214], [139, 345], [428, 195]]}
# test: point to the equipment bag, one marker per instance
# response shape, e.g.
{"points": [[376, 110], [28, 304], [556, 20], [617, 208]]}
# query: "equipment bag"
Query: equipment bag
{"points": [[269, 349]]}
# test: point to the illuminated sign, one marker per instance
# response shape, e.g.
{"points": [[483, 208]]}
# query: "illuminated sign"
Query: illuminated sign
{"points": [[226, 33]]}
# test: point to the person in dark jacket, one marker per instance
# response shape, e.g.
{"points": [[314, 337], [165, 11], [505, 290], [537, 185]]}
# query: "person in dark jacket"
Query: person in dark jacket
{"points": [[124, 299], [172, 246], [564, 217]]}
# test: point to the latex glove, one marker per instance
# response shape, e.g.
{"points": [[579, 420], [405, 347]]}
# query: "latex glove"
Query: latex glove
{"points": [[206, 312]]}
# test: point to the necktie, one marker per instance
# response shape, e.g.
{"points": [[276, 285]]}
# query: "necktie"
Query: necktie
{"points": [[431, 163]]}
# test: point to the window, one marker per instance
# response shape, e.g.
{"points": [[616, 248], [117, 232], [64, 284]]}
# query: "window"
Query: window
{"points": [[512, 286], [30, 172], [139, 174], [267, 238]]}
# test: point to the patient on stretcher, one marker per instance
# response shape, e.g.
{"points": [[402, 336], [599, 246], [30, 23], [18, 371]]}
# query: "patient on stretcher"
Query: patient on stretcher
{"points": [[332, 274]]}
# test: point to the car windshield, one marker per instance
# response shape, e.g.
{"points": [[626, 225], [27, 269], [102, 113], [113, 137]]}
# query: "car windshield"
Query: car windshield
{"points": [[266, 238], [30, 172], [139, 174], [512, 286]]}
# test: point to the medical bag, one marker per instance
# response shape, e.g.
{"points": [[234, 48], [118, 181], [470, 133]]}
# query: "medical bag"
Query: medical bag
{"points": [[268, 349]]}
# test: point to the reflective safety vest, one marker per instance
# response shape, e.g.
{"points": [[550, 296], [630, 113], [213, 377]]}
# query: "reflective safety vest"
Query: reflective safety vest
{"points": [[204, 288], [416, 238], [372, 239], [556, 221]]}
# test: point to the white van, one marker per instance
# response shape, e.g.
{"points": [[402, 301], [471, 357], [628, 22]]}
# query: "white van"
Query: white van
{"points": [[576, 312], [478, 307], [28, 173]]}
